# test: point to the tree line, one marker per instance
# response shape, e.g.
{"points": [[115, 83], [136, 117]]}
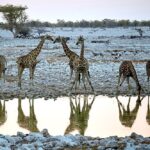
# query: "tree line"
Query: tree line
{"points": [[92, 24], [84, 23], [17, 21]]}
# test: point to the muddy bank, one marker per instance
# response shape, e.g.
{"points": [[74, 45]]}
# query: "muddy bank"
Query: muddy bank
{"points": [[54, 81], [52, 75]]}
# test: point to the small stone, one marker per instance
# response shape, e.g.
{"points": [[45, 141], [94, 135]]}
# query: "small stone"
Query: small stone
{"points": [[45, 132]]}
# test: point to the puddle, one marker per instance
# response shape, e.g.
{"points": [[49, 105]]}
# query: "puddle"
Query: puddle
{"points": [[87, 115]]}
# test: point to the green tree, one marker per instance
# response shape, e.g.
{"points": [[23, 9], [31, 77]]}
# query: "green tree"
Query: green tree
{"points": [[14, 16]]}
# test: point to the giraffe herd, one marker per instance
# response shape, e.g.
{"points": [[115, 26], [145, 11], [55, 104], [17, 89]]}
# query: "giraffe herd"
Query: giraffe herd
{"points": [[77, 63]]}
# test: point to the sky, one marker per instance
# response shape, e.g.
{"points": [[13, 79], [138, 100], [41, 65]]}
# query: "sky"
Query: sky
{"points": [[76, 10]]}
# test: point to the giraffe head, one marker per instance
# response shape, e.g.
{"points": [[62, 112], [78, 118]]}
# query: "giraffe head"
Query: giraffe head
{"points": [[48, 37], [57, 40], [80, 40], [60, 39], [42, 37]]}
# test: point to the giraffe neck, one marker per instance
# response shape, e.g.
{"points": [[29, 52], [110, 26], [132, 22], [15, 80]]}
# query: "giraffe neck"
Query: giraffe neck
{"points": [[134, 75], [136, 80], [37, 50], [82, 51], [137, 84], [67, 51]]}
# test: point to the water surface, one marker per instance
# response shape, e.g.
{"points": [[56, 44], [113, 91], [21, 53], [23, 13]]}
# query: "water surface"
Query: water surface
{"points": [[87, 115]]}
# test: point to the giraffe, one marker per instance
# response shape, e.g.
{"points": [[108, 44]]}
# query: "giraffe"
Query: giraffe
{"points": [[81, 66], [79, 114], [126, 71], [3, 64], [69, 53], [127, 116], [30, 60]]}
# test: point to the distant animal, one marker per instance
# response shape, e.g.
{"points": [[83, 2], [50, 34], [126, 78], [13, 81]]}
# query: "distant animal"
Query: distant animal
{"points": [[126, 71], [3, 65], [69, 53], [95, 41], [140, 31], [30, 60], [97, 54]]}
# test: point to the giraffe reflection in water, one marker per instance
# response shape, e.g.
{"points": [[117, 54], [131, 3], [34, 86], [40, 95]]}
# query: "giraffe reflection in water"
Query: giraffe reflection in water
{"points": [[128, 116], [27, 122], [3, 113], [79, 113], [148, 112]]}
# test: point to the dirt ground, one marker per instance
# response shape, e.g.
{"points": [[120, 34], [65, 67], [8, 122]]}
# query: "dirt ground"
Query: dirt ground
{"points": [[52, 74], [54, 81]]}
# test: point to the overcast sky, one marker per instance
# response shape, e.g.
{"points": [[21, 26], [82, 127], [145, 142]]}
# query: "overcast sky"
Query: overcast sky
{"points": [[51, 10]]}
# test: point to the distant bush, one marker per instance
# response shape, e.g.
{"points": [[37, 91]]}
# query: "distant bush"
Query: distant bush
{"points": [[40, 31], [23, 32], [14, 16]]}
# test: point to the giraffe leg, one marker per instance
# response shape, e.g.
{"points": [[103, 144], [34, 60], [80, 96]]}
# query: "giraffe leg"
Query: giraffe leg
{"points": [[119, 79], [83, 80], [20, 71], [148, 83], [1, 78], [87, 76], [4, 76], [78, 81], [129, 87], [117, 90], [122, 80], [32, 69], [71, 69], [71, 72], [75, 80]]}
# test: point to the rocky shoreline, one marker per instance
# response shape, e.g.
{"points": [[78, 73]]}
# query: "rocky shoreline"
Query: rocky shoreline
{"points": [[44, 141]]}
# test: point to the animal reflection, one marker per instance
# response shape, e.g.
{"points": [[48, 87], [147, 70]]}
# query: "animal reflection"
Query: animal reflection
{"points": [[3, 65], [148, 112], [79, 114], [128, 116], [3, 113], [148, 72], [27, 122]]}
